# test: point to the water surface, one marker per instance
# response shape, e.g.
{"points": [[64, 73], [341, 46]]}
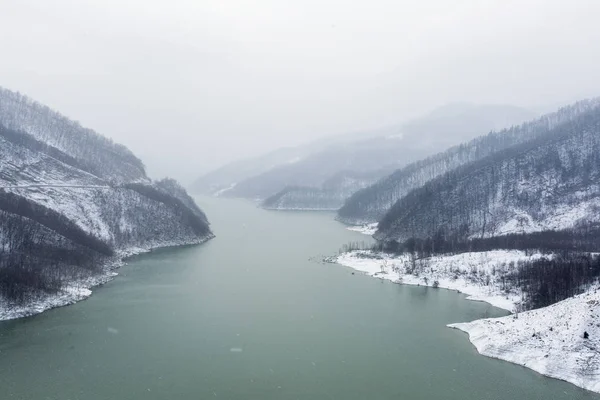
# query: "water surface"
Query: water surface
{"points": [[254, 315]]}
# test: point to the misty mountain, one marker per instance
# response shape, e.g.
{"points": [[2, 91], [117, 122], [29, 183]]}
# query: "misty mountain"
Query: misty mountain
{"points": [[370, 204], [460, 122], [72, 201], [316, 169], [374, 153], [329, 197], [549, 183], [227, 176]]}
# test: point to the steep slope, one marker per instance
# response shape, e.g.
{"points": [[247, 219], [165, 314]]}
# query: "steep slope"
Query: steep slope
{"points": [[65, 217], [370, 204], [95, 153], [549, 183]]}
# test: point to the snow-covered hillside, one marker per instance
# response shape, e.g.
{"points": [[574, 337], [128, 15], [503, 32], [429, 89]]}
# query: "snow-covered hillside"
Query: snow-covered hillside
{"points": [[372, 203], [95, 153], [551, 182], [71, 204]]}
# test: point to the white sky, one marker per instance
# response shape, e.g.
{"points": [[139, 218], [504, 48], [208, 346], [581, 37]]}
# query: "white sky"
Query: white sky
{"points": [[189, 85]]}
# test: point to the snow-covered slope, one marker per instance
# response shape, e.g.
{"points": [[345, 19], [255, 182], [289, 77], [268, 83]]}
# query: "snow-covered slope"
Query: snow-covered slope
{"points": [[94, 152], [72, 203], [117, 215], [549, 340], [551, 182], [372, 203]]}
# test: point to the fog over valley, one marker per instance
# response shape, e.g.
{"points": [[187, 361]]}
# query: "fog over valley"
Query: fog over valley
{"points": [[192, 85]]}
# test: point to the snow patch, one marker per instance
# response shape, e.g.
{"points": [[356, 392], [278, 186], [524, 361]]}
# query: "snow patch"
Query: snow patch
{"points": [[561, 216]]}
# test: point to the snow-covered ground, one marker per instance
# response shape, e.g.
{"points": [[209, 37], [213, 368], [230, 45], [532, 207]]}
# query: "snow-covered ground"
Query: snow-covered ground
{"points": [[81, 290], [549, 340], [368, 229], [555, 217], [476, 274]]}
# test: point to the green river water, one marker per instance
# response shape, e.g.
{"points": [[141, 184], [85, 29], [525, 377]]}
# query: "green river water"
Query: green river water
{"points": [[253, 314]]}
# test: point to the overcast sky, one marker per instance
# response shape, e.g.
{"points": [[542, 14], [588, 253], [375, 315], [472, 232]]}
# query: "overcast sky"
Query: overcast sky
{"points": [[189, 85]]}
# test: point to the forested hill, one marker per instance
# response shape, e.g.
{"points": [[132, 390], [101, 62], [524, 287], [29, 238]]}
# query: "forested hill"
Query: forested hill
{"points": [[549, 183], [370, 204], [95, 153], [71, 201]]}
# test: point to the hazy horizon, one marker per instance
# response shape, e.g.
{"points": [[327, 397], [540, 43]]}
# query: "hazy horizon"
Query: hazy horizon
{"points": [[189, 86]]}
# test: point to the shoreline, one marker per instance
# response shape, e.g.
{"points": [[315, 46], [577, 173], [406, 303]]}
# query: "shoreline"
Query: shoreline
{"points": [[299, 209], [466, 273], [548, 340], [82, 289], [365, 229]]}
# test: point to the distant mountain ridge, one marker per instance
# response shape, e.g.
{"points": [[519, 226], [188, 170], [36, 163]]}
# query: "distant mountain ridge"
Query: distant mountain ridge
{"points": [[301, 181]]}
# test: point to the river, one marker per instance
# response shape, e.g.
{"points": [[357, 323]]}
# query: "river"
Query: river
{"points": [[253, 314]]}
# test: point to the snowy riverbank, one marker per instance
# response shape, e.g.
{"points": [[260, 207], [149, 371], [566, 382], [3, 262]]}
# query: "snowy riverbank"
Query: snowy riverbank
{"points": [[476, 274], [81, 289], [291, 208], [549, 340], [368, 229]]}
